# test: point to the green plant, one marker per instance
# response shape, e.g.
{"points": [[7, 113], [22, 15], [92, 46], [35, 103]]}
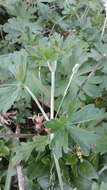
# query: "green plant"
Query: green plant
{"points": [[52, 83]]}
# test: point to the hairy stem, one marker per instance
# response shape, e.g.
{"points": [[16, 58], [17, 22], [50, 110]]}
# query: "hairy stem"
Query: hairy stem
{"points": [[37, 102], [53, 70], [74, 71], [51, 115], [105, 22], [58, 172], [52, 94]]}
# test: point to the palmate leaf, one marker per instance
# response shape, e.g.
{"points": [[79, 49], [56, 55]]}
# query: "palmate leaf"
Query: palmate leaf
{"points": [[102, 143], [86, 114], [18, 65], [74, 54], [20, 30], [90, 87], [8, 95], [60, 140], [32, 79], [41, 142], [15, 64], [85, 139], [86, 169], [85, 174], [103, 186], [20, 9], [82, 183], [60, 143], [4, 150], [78, 55], [15, 67], [95, 186], [24, 151]]}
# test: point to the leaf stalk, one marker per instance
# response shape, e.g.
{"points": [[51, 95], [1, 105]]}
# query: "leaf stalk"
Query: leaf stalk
{"points": [[53, 70], [37, 102]]}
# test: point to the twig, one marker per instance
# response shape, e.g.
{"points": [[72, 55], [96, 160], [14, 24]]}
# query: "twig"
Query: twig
{"points": [[22, 136], [105, 21], [20, 173], [21, 178], [102, 170]]}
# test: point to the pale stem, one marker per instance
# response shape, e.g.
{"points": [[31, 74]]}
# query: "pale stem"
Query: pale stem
{"points": [[9, 176], [20, 173], [39, 73], [21, 178], [102, 170], [52, 94], [51, 117], [59, 173], [37, 102], [74, 71], [105, 21]]}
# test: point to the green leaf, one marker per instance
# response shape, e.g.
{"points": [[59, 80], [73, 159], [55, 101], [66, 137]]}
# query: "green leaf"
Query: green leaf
{"points": [[95, 186], [103, 186], [84, 138], [82, 183], [8, 95], [101, 145], [44, 182], [86, 114], [72, 159], [4, 150], [20, 9], [40, 86], [60, 141], [20, 30], [85, 174], [15, 63], [18, 65], [24, 151], [86, 170], [40, 168], [44, 10], [41, 142]]}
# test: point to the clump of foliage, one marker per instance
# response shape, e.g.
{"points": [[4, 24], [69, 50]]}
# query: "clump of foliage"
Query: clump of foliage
{"points": [[53, 108]]}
